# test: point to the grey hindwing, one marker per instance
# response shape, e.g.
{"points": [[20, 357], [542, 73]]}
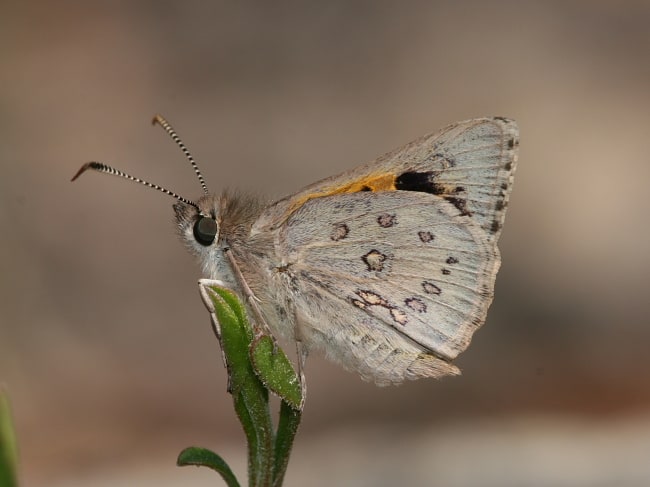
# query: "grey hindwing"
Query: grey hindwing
{"points": [[404, 265]]}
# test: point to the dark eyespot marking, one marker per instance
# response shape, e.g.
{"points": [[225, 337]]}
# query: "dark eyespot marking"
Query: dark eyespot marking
{"points": [[508, 166], [426, 237], [460, 204], [387, 220], [496, 226], [430, 288], [500, 205], [399, 316], [452, 260], [446, 272], [374, 260], [371, 298], [416, 304], [339, 232], [504, 186], [205, 230]]}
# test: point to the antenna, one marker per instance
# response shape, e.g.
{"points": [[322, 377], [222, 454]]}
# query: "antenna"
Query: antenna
{"points": [[101, 167], [172, 133], [159, 119]]}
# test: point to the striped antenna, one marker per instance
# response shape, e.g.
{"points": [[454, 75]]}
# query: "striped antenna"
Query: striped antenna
{"points": [[159, 119], [101, 167]]}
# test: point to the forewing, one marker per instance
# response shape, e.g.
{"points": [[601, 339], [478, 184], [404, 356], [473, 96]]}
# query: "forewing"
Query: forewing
{"points": [[407, 262], [469, 164]]}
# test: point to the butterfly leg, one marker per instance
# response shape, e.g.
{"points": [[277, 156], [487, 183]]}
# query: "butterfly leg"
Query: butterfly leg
{"points": [[260, 326], [204, 289], [302, 352]]}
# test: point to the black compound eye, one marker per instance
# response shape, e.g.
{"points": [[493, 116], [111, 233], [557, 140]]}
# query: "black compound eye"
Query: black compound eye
{"points": [[205, 230]]}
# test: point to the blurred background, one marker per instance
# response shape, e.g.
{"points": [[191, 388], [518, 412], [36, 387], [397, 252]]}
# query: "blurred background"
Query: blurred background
{"points": [[105, 347]]}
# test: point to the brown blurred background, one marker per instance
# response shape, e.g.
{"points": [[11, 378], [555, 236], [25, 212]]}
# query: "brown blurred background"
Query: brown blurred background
{"points": [[105, 346]]}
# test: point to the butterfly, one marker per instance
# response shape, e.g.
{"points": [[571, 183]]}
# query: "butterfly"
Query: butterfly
{"points": [[389, 268]]}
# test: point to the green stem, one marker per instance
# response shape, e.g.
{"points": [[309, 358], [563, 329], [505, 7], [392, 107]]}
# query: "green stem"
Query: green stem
{"points": [[254, 367]]}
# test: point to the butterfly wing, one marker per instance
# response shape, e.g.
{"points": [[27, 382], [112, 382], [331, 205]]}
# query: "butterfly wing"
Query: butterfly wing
{"points": [[468, 164], [390, 267], [392, 284]]}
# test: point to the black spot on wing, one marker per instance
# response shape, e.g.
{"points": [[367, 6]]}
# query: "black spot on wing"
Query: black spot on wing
{"points": [[399, 316], [426, 237], [431, 288], [339, 232], [421, 182], [424, 182], [374, 260], [460, 204], [416, 304], [372, 298], [386, 220]]}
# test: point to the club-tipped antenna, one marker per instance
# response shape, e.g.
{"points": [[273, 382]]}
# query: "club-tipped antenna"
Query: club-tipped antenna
{"points": [[101, 167], [172, 133]]}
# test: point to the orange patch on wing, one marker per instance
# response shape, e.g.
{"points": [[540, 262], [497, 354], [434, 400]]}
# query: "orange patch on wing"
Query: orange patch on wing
{"points": [[380, 182], [373, 182]]}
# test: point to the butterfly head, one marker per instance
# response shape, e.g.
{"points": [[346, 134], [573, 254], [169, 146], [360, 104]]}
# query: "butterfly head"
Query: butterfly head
{"points": [[197, 221]]}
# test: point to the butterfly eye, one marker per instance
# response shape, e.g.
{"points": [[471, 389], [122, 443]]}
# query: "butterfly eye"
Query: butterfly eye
{"points": [[205, 230]]}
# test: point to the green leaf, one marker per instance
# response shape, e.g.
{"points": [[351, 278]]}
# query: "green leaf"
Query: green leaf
{"points": [[236, 335], [8, 449], [235, 305], [287, 429], [275, 371], [254, 366], [202, 457], [251, 398]]}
